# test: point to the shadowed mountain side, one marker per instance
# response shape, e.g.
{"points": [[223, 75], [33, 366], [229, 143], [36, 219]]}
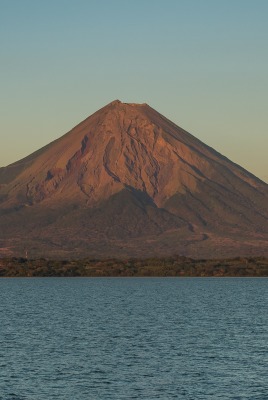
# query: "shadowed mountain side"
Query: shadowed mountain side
{"points": [[127, 181]]}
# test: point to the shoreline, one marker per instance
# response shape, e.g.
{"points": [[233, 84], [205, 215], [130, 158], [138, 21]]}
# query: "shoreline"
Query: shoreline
{"points": [[183, 267]]}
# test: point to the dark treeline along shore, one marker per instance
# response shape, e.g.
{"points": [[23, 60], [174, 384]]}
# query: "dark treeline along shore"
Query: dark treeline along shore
{"points": [[171, 266]]}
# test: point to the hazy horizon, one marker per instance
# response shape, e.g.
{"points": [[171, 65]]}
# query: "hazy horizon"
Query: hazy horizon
{"points": [[201, 64]]}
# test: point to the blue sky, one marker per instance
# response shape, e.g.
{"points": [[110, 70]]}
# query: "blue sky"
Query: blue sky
{"points": [[201, 63]]}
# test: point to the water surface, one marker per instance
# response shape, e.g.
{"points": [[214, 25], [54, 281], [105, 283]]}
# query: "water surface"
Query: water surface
{"points": [[133, 338]]}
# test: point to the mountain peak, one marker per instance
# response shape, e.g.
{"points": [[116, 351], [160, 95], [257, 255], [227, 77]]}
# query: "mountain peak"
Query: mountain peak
{"points": [[114, 103], [119, 102], [127, 176]]}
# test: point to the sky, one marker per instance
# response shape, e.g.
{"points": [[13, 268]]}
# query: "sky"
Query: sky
{"points": [[201, 63]]}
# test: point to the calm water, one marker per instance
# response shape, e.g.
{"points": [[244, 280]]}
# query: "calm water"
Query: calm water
{"points": [[128, 338]]}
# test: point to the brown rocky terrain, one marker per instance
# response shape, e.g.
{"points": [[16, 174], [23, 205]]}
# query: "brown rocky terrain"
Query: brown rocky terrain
{"points": [[128, 182]]}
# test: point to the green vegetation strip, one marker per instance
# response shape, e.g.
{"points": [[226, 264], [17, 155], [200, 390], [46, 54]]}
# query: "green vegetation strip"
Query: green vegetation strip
{"points": [[173, 266]]}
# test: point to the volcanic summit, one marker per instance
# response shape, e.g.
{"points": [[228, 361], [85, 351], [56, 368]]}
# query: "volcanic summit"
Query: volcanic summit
{"points": [[128, 182]]}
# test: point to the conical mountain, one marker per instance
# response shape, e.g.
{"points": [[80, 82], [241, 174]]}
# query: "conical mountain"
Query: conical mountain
{"points": [[128, 182]]}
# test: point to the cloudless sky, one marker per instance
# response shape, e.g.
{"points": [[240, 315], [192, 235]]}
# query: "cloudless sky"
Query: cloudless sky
{"points": [[201, 63]]}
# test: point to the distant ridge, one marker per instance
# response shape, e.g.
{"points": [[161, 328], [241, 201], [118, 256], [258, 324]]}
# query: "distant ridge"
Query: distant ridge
{"points": [[126, 181]]}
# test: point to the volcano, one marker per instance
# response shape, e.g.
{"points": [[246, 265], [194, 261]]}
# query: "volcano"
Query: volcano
{"points": [[128, 182]]}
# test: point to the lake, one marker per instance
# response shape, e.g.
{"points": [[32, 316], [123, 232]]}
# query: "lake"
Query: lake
{"points": [[133, 338]]}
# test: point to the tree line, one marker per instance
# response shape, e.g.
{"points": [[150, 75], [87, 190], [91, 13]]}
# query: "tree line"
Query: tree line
{"points": [[169, 266]]}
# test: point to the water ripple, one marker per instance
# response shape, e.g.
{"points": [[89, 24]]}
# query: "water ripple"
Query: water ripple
{"points": [[122, 338]]}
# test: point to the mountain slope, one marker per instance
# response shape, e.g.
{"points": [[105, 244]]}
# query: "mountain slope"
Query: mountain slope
{"points": [[127, 181]]}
